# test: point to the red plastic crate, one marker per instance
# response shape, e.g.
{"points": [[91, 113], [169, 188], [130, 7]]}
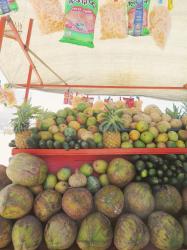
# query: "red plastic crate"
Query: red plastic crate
{"points": [[58, 158]]}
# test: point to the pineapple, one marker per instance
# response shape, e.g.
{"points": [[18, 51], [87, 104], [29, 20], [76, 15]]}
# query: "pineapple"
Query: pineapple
{"points": [[21, 123], [176, 113], [111, 127]]}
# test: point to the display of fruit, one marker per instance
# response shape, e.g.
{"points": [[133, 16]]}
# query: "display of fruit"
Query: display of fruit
{"points": [[120, 172], [161, 169], [15, 201], [63, 174], [95, 233], [109, 200], [61, 187], [139, 199], [46, 204], [4, 180], [21, 123], [27, 233], [60, 232], [5, 232], [27, 170], [114, 126], [130, 233], [77, 203], [165, 231], [168, 199]]}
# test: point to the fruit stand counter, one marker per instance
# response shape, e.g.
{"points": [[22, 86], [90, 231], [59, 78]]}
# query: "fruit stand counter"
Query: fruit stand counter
{"points": [[58, 158]]}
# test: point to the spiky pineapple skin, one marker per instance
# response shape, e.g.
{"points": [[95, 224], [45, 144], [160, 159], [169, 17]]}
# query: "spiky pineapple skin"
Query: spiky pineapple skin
{"points": [[112, 139], [21, 139]]}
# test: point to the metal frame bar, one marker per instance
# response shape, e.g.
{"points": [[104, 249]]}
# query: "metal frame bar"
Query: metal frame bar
{"points": [[2, 30], [73, 86]]}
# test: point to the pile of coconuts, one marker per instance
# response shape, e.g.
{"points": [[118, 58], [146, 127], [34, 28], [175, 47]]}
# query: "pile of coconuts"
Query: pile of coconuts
{"points": [[127, 215]]}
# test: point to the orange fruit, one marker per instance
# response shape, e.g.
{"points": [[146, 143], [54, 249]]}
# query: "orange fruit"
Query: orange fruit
{"points": [[134, 135]]}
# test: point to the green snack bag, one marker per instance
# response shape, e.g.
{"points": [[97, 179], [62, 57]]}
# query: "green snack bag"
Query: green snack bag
{"points": [[138, 12], [80, 17]]}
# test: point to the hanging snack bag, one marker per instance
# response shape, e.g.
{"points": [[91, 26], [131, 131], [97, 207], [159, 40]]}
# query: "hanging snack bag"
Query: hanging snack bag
{"points": [[160, 25], [113, 20], [80, 17], [49, 14], [7, 6], [138, 11]]}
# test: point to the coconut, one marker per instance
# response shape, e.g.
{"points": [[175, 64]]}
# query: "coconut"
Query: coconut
{"points": [[27, 170], [184, 198], [163, 126], [183, 221], [176, 123], [152, 108], [15, 201], [46, 204], [60, 232], [127, 120], [165, 231], [110, 201], [130, 233], [168, 199], [5, 232], [155, 116], [184, 120], [95, 233], [4, 180], [166, 117], [77, 203], [77, 180], [120, 172], [139, 199], [27, 233], [142, 117]]}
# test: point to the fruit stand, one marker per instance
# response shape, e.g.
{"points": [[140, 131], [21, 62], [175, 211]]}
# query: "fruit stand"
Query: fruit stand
{"points": [[96, 174]]}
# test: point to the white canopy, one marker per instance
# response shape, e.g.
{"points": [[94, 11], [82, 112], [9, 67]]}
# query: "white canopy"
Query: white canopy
{"points": [[133, 61]]}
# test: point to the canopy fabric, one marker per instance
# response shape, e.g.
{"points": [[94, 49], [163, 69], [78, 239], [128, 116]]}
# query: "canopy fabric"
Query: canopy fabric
{"points": [[133, 61]]}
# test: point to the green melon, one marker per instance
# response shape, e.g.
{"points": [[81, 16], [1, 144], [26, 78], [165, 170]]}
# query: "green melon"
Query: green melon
{"points": [[168, 199], [139, 199], [27, 170], [165, 231], [46, 204], [5, 232], [130, 233], [95, 233], [109, 200], [27, 233], [15, 201], [60, 232]]}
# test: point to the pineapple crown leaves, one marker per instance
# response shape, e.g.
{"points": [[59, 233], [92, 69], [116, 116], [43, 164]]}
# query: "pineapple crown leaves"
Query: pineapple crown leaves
{"points": [[112, 120], [176, 112], [25, 112], [45, 114], [184, 107]]}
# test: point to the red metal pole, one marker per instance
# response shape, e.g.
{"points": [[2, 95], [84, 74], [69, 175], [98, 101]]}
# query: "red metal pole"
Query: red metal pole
{"points": [[29, 32], [2, 29], [22, 45], [28, 84]]}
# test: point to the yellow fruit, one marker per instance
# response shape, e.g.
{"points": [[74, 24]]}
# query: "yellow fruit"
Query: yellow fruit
{"points": [[154, 131], [142, 126], [53, 129], [180, 144], [163, 137], [81, 131], [75, 125], [134, 135], [59, 137], [21, 138], [112, 139], [45, 135]]}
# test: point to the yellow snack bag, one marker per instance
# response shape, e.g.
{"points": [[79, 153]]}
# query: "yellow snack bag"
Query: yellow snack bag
{"points": [[113, 20]]}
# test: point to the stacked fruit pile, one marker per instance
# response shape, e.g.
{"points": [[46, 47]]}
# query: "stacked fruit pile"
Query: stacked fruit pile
{"points": [[100, 126], [89, 210]]}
